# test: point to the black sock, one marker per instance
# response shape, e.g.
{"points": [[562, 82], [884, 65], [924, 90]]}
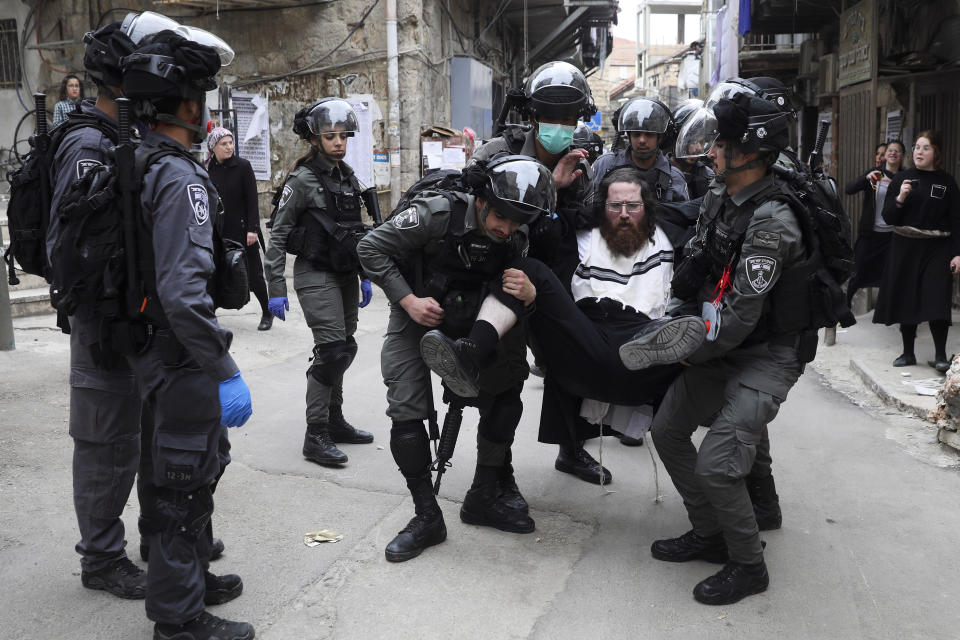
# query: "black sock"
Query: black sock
{"points": [[908, 333], [485, 336], [938, 329]]}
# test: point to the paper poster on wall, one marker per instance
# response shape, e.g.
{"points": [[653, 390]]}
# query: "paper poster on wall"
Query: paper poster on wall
{"points": [[360, 146], [381, 168], [253, 131]]}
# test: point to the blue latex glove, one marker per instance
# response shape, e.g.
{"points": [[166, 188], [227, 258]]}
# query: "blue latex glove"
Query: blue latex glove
{"points": [[367, 290], [235, 405], [276, 306]]}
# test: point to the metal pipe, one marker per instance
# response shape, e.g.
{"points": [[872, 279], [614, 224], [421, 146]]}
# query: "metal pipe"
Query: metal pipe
{"points": [[393, 99], [7, 342]]}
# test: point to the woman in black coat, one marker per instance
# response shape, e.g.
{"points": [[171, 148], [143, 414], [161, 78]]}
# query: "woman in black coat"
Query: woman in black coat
{"points": [[923, 205], [237, 186], [873, 237]]}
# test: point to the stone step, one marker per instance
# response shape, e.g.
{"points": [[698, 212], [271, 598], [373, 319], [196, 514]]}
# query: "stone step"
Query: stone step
{"points": [[30, 302]]}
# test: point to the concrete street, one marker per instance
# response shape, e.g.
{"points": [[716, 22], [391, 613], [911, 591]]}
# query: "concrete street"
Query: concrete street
{"points": [[871, 506]]}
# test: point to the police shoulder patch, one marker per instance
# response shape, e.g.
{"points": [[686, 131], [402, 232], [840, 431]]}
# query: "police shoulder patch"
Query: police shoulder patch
{"points": [[197, 196], [766, 239], [85, 165], [407, 219], [760, 271], [285, 195]]}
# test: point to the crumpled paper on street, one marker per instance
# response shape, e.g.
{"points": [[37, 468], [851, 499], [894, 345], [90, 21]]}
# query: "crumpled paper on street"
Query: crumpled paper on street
{"points": [[320, 536]]}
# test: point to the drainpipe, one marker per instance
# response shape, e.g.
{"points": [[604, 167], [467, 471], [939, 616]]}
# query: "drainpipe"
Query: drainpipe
{"points": [[393, 98]]}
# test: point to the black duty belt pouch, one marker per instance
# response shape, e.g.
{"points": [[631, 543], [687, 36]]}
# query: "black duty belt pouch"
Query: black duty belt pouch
{"points": [[231, 285]]}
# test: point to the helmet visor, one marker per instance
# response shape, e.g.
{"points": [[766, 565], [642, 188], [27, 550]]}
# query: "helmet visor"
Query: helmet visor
{"points": [[333, 116], [525, 184], [139, 26], [698, 135], [644, 115], [727, 90]]}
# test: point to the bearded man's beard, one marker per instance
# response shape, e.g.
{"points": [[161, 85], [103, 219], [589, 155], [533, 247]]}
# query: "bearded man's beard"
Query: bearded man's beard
{"points": [[624, 239]]}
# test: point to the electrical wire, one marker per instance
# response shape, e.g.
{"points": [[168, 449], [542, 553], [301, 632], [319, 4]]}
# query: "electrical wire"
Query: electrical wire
{"points": [[311, 66]]}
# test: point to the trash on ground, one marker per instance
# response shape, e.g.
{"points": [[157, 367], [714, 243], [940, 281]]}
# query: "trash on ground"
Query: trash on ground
{"points": [[315, 538]]}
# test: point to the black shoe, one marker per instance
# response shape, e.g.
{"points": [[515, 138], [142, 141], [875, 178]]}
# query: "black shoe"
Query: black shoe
{"points": [[221, 589], [343, 432], [766, 502], [215, 551], [940, 365], [452, 361], [266, 321], [206, 626], [121, 577], [577, 461], [484, 505], [424, 530], [903, 360], [663, 341], [318, 446], [691, 546], [733, 583]]}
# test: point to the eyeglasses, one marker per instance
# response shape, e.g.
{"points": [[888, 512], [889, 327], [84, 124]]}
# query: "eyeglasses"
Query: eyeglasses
{"points": [[631, 207], [895, 152]]}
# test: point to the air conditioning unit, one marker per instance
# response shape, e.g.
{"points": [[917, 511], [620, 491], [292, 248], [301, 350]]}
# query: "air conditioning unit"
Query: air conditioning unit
{"points": [[828, 74]]}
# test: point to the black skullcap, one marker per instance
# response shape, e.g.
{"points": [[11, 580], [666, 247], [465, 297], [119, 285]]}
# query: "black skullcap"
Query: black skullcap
{"points": [[198, 61]]}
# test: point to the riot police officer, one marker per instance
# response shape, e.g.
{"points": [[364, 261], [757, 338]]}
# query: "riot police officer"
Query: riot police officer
{"points": [[747, 246], [647, 123], [690, 162], [436, 260], [554, 97], [189, 384], [104, 402], [319, 220]]}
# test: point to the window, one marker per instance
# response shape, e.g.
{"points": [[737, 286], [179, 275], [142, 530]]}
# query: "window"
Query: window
{"points": [[9, 54]]}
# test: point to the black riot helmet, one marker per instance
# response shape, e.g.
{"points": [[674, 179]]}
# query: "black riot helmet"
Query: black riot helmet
{"points": [[645, 114], [104, 48], [559, 89], [519, 188], [166, 69], [772, 90], [680, 115], [752, 125], [325, 116]]}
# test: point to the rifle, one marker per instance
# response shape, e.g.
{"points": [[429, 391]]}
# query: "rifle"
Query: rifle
{"points": [[515, 98], [816, 156], [372, 204], [126, 161], [448, 437], [434, 428], [41, 142]]}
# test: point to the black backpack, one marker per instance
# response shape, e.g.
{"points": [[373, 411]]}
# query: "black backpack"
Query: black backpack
{"points": [[89, 258], [443, 182], [813, 198], [28, 212]]}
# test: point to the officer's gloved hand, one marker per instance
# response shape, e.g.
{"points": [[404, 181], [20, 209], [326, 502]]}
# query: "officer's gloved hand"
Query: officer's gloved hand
{"points": [[276, 306], [367, 290], [235, 404]]}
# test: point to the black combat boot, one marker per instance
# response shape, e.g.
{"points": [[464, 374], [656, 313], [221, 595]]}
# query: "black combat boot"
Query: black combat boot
{"points": [[691, 546], [733, 583], [484, 505], [206, 626], [121, 577], [509, 491], [766, 502], [411, 451], [342, 431], [318, 446], [574, 459], [221, 589], [425, 529]]}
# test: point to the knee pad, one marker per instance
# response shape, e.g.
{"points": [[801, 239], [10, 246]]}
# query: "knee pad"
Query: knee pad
{"points": [[329, 361], [186, 513]]}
